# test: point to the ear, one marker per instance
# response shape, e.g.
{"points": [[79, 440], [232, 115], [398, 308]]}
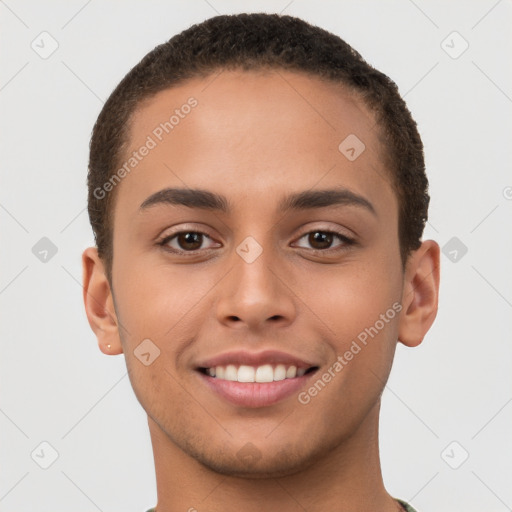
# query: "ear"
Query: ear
{"points": [[420, 294], [99, 303]]}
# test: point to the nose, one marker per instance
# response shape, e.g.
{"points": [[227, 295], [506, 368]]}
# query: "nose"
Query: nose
{"points": [[256, 294]]}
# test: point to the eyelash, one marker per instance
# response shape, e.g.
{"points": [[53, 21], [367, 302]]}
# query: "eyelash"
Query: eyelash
{"points": [[343, 238]]}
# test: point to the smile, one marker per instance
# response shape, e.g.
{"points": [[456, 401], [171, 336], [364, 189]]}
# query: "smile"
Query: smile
{"points": [[261, 374], [261, 386]]}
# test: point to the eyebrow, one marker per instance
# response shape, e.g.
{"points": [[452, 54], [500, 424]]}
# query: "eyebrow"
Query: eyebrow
{"points": [[206, 200]]}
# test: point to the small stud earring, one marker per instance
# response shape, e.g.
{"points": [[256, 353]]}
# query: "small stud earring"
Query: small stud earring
{"points": [[108, 346]]}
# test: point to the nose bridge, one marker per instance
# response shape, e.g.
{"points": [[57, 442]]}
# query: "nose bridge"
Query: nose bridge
{"points": [[254, 291], [253, 270]]}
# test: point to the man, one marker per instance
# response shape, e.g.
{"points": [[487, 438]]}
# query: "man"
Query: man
{"points": [[258, 196]]}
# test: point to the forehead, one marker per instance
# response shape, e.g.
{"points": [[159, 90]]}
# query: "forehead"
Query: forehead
{"points": [[256, 131], [280, 102]]}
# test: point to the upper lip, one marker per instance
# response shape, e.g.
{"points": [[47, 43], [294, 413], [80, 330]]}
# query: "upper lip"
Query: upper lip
{"points": [[241, 357]]}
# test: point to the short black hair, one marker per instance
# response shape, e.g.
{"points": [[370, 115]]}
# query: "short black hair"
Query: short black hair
{"points": [[259, 41]]}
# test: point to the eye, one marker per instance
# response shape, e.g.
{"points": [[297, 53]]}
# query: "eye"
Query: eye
{"points": [[191, 241], [184, 241], [321, 240]]}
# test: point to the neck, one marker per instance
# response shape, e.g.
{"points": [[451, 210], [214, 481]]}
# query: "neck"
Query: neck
{"points": [[346, 479]]}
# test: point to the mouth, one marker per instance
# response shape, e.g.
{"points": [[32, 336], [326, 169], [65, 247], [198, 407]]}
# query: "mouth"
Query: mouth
{"points": [[265, 373], [255, 386]]}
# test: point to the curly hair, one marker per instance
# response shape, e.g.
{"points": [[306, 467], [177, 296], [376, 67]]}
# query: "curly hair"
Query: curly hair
{"points": [[253, 42]]}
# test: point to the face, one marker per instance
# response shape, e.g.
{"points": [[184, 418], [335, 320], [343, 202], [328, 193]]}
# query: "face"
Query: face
{"points": [[291, 253]]}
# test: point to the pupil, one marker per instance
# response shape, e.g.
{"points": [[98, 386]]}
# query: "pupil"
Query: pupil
{"points": [[194, 239], [190, 238], [322, 238]]}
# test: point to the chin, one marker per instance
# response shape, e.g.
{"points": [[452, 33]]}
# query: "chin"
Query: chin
{"points": [[252, 463], [255, 470]]}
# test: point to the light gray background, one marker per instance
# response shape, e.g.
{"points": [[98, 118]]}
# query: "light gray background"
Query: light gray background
{"points": [[56, 386]]}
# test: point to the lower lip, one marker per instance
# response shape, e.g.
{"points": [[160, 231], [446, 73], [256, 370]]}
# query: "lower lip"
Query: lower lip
{"points": [[255, 394]]}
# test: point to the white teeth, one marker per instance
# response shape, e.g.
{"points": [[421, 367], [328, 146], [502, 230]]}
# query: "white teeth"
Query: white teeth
{"points": [[291, 372], [280, 372], [245, 374], [231, 373], [263, 373]]}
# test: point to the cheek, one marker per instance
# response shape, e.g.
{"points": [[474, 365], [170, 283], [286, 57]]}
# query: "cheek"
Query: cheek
{"points": [[361, 311], [362, 322], [349, 300], [165, 305], [154, 311], [148, 297]]}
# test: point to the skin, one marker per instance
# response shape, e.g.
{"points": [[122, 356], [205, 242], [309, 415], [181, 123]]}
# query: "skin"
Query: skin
{"points": [[255, 137]]}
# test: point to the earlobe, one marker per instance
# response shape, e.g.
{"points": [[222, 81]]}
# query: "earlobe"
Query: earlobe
{"points": [[99, 304], [420, 294]]}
